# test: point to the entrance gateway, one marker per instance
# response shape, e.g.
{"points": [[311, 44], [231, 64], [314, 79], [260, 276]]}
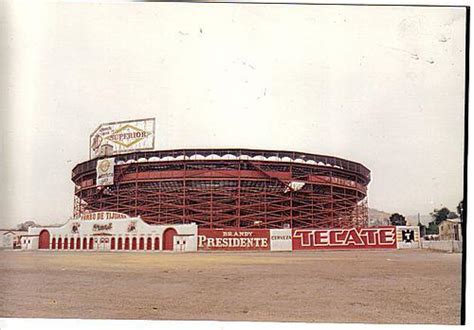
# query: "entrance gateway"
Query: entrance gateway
{"points": [[168, 239], [112, 231], [104, 243], [43, 240]]}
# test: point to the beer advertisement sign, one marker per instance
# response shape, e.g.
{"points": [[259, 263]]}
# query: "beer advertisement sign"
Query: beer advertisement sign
{"points": [[280, 240], [233, 239], [122, 137], [105, 172], [341, 239]]}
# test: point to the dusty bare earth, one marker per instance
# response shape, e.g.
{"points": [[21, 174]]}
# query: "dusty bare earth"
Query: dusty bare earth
{"points": [[344, 286]]}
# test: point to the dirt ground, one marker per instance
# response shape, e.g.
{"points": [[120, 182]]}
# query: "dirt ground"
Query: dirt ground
{"points": [[415, 286]]}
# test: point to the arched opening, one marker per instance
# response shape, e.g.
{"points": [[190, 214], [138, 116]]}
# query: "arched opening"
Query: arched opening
{"points": [[60, 243], [157, 243], [119, 243], [134, 243], [53, 243], [78, 243], [84, 243], [44, 239], [168, 238], [141, 245], [148, 243], [127, 243], [71, 243], [91, 243], [66, 242], [112, 243]]}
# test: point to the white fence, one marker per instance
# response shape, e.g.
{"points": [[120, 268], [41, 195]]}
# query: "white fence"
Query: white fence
{"points": [[448, 246]]}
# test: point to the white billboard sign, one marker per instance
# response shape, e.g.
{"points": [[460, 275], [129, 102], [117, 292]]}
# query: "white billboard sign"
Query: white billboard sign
{"points": [[105, 172], [122, 137], [280, 240]]}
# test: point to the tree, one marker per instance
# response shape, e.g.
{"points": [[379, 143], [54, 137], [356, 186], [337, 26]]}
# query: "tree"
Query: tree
{"points": [[432, 228], [397, 220], [25, 225], [460, 209], [442, 214]]}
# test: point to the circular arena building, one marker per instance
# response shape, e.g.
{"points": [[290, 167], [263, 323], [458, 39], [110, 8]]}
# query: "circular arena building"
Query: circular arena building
{"points": [[228, 188]]}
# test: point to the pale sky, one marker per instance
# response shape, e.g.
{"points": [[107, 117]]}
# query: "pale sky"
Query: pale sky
{"points": [[383, 86]]}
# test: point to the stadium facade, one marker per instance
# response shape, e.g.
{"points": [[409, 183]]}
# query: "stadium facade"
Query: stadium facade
{"points": [[191, 199], [229, 188]]}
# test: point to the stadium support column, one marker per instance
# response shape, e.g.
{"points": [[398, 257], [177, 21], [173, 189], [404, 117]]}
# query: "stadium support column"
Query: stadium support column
{"points": [[136, 190], [211, 211], [332, 198], [358, 214], [184, 193], [101, 198], [291, 195], [238, 195], [160, 191], [265, 204], [291, 208], [117, 192]]}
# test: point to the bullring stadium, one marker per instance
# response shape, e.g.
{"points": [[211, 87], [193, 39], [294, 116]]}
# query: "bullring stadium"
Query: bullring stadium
{"points": [[130, 197], [229, 188]]}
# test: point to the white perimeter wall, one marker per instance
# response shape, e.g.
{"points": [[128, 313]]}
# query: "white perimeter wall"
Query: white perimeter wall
{"points": [[447, 246]]}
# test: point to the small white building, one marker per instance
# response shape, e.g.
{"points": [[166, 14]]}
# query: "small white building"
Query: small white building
{"points": [[111, 231], [10, 239]]}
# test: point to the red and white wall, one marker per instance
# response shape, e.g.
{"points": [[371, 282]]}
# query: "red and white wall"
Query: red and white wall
{"points": [[110, 231], [386, 237], [337, 239]]}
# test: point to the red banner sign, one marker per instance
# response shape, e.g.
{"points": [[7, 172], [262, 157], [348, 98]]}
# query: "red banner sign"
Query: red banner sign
{"points": [[233, 239], [353, 238]]}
